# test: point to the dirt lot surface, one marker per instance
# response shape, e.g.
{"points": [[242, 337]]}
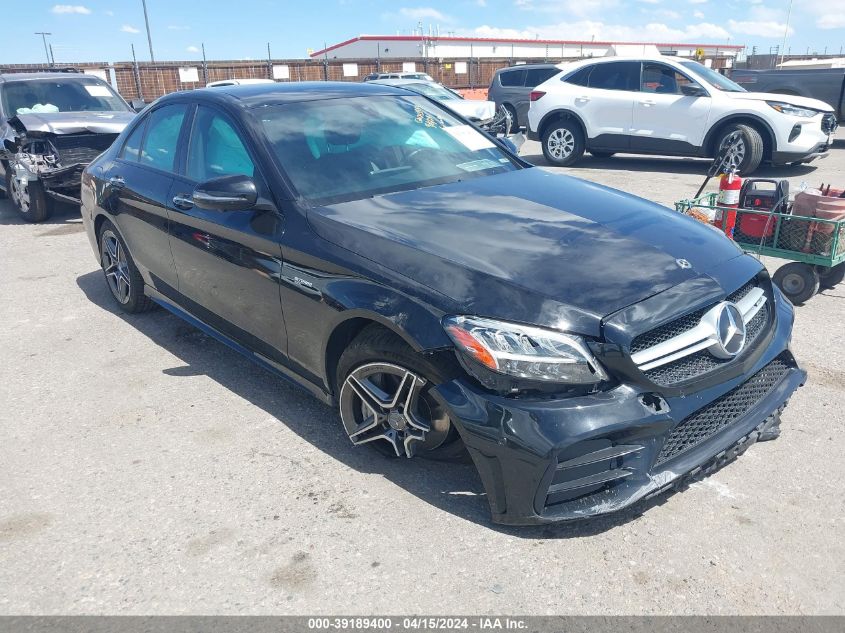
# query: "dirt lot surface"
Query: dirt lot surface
{"points": [[145, 468]]}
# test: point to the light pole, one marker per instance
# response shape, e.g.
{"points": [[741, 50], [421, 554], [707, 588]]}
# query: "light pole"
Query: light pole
{"points": [[44, 35], [785, 32], [149, 38]]}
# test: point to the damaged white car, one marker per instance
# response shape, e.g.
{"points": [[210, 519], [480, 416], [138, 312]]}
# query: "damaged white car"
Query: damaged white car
{"points": [[51, 126], [485, 114]]}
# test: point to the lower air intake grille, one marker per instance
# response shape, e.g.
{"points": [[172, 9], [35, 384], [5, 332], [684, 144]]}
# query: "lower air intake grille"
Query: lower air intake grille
{"points": [[708, 421]]}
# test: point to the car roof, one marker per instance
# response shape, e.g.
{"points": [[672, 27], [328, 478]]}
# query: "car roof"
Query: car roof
{"points": [[45, 75], [253, 95], [530, 67], [405, 81]]}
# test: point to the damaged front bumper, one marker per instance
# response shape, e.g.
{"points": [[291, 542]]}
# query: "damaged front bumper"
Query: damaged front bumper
{"points": [[550, 460]]}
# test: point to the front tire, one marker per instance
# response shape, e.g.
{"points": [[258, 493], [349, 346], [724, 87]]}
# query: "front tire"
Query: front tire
{"points": [[121, 274], [744, 147], [563, 142], [31, 200], [385, 396], [799, 282]]}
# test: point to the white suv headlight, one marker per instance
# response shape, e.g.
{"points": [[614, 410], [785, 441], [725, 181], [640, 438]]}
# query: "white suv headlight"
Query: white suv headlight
{"points": [[525, 352], [792, 110]]}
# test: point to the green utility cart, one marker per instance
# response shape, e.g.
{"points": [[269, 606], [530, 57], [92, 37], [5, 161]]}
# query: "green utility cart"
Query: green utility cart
{"points": [[814, 246]]}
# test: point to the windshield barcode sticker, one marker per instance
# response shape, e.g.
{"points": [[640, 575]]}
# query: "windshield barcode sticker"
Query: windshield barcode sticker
{"points": [[98, 91]]}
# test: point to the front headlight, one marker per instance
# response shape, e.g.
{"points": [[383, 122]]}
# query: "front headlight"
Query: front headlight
{"points": [[523, 351], [792, 110]]}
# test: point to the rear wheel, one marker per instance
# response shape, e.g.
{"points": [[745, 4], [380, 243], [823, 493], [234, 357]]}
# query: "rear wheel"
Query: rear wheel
{"points": [[122, 276], [563, 142], [799, 282], [386, 401], [831, 277], [29, 198], [743, 146]]}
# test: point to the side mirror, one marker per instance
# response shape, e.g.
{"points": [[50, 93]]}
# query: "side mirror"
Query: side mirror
{"points": [[137, 104], [693, 90], [228, 193]]}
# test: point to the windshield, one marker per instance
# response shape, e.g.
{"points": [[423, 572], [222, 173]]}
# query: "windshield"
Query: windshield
{"points": [[80, 94], [432, 90], [717, 80], [345, 149]]}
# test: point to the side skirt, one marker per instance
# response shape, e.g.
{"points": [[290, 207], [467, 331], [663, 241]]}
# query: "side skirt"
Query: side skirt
{"points": [[266, 363]]}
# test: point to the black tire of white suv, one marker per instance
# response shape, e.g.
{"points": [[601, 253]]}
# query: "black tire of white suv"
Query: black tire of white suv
{"points": [[563, 142], [747, 147]]}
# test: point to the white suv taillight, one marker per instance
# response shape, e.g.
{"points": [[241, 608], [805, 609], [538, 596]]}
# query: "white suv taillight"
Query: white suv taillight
{"points": [[536, 94]]}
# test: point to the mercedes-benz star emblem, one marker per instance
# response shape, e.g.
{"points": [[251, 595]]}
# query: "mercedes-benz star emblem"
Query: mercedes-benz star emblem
{"points": [[683, 263], [730, 331]]}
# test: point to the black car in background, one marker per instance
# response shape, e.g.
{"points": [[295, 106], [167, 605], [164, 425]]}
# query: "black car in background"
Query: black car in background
{"points": [[586, 347]]}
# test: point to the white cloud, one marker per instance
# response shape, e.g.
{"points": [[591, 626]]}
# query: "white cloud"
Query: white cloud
{"points": [[758, 28], [71, 8], [831, 21], [129, 29], [650, 1], [423, 13], [586, 29], [109, 13], [193, 49], [177, 27], [481, 3], [698, 15], [698, 1]]}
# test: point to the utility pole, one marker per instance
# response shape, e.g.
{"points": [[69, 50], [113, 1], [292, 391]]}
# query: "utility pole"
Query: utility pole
{"points": [[149, 38], [269, 63], [52, 57], [44, 35], [204, 64]]}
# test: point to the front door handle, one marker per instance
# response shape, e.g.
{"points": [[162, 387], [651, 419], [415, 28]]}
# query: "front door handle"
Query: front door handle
{"points": [[648, 103], [183, 201], [582, 99], [117, 182]]}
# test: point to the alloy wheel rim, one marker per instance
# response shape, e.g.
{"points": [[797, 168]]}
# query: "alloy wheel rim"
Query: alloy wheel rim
{"points": [[385, 402], [735, 148], [561, 143], [20, 194], [115, 266]]}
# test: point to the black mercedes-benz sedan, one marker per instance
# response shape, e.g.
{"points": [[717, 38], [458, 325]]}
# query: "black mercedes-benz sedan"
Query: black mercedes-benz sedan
{"points": [[585, 347]]}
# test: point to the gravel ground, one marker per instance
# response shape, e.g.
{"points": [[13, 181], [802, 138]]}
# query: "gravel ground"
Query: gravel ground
{"points": [[145, 468]]}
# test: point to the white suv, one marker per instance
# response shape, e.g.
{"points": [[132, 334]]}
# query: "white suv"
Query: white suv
{"points": [[672, 107]]}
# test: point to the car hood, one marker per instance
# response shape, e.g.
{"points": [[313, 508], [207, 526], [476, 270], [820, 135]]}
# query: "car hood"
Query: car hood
{"points": [[471, 108], [529, 245], [72, 122], [802, 102]]}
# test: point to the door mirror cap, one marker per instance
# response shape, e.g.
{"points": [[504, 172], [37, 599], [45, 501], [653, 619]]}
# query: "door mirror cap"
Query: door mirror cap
{"points": [[228, 193], [693, 90]]}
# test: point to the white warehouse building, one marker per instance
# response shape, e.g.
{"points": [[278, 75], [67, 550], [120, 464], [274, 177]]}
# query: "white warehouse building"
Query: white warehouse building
{"points": [[388, 47]]}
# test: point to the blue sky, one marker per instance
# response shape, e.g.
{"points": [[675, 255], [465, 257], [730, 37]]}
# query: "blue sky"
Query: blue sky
{"points": [[102, 30]]}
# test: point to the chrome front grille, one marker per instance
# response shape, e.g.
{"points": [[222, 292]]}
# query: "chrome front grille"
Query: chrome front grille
{"points": [[690, 346]]}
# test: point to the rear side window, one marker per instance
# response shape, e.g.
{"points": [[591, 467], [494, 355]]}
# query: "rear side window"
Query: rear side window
{"points": [[616, 76], [580, 77], [535, 76], [162, 138], [132, 147], [512, 78]]}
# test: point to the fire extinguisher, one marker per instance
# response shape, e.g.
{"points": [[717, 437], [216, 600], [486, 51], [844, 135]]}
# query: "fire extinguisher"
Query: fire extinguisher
{"points": [[729, 187]]}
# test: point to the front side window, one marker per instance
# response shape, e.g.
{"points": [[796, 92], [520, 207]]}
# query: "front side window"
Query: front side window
{"points": [[616, 76], [662, 79], [512, 78], [216, 149], [132, 147], [80, 94], [162, 138], [345, 149]]}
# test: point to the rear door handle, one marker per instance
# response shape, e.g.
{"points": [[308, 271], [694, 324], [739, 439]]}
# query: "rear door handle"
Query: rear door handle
{"points": [[183, 201], [582, 99], [117, 182], [648, 102]]}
